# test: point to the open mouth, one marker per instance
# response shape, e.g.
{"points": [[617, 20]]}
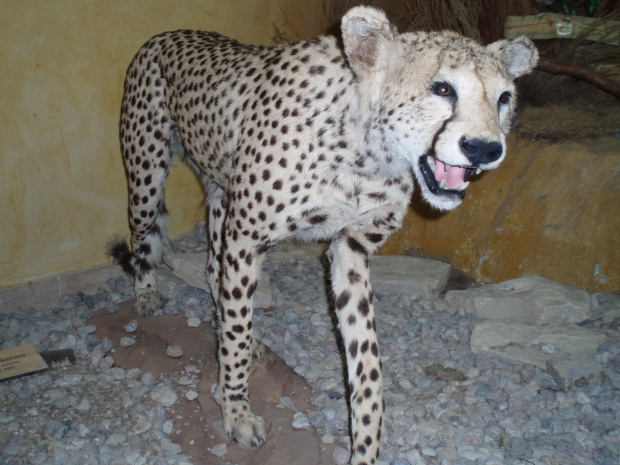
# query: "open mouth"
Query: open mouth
{"points": [[444, 179]]}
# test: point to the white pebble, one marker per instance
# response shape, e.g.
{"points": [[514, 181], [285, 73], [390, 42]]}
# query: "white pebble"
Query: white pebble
{"points": [[300, 421], [174, 351], [193, 322], [118, 373], [340, 456], [168, 398], [96, 356], [127, 341], [167, 427], [219, 450], [84, 405], [582, 398], [148, 379], [191, 394], [131, 327]]}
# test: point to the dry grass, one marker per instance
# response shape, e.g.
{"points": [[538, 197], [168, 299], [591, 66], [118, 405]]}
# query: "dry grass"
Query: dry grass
{"points": [[576, 119], [553, 107]]}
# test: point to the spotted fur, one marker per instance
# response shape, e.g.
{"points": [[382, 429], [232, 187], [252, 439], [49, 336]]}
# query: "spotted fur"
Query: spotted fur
{"points": [[311, 140]]}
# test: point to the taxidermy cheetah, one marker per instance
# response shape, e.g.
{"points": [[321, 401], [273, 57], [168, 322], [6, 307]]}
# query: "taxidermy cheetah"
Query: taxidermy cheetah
{"points": [[312, 140]]}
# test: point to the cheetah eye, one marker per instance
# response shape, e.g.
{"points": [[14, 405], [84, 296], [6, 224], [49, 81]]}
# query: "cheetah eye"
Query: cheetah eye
{"points": [[443, 89], [504, 99]]}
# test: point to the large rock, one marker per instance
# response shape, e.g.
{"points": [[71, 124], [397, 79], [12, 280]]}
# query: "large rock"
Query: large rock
{"points": [[415, 277], [190, 267], [531, 299], [566, 351]]}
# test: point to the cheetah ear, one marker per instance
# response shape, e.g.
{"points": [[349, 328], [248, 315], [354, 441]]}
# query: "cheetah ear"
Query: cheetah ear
{"points": [[366, 32], [519, 55]]}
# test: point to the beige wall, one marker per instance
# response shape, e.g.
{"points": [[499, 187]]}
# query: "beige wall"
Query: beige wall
{"points": [[62, 64]]}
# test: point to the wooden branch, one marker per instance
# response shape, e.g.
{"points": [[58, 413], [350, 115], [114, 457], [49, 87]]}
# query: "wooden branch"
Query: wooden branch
{"points": [[580, 72]]}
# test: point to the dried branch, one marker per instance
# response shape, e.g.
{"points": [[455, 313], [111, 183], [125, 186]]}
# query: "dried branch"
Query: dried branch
{"points": [[580, 72]]}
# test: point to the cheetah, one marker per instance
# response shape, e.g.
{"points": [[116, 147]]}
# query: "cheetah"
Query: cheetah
{"points": [[314, 140]]}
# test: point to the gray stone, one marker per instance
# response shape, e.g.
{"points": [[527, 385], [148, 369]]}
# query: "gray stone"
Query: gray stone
{"points": [[531, 299], [219, 450], [571, 363], [131, 327], [300, 421], [127, 341], [174, 351], [576, 372], [168, 398], [168, 283], [190, 267], [515, 340], [340, 456], [412, 276]]}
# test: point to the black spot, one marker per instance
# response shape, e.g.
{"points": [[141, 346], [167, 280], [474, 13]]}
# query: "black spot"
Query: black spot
{"points": [[363, 307], [353, 349], [354, 276], [252, 288], [374, 237], [317, 219], [355, 246], [342, 299], [364, 347]]}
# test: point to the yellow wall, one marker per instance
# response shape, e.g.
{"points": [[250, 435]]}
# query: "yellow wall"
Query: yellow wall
{"points": [[62, 65]]}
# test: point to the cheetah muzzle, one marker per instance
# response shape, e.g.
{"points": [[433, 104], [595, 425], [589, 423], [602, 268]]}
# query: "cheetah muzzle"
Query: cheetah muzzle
{"points": [[315, 140]]}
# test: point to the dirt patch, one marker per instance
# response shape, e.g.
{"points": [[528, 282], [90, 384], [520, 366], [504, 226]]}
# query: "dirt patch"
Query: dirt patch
{"points": [[198, 423]]}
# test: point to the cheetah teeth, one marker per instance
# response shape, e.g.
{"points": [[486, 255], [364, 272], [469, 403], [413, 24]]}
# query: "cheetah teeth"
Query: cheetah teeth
{"points": [[431, 162], [462, 187], [478, 171]]}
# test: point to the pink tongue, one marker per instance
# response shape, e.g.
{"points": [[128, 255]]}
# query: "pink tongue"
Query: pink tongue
{"points": [[454, 177]]}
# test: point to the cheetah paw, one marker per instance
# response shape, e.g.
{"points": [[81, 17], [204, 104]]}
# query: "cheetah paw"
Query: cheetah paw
{"points": [[146, 305], [246, 429], [259, 350]]}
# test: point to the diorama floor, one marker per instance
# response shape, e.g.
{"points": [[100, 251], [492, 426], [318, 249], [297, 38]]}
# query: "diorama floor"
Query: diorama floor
{"points": [[133, 398]]}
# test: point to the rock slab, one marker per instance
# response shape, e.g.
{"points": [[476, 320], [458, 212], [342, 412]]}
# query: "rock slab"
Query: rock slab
{"points": [[565, 351], [530, 299], [415, 277], [390, 274], [190, 267]]}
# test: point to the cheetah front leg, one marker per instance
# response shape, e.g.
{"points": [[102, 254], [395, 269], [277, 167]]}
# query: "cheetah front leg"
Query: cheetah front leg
{"points": [[239, 279], [350, 274]]}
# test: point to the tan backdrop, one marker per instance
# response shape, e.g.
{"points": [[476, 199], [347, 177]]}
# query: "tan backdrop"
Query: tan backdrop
{"points": [[62, 65]]}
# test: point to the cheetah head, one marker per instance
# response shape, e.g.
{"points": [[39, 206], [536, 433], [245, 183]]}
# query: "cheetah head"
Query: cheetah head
{"points": [[442, 102]]}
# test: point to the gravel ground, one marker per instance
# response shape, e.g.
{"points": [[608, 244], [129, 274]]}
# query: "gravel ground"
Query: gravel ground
{"points": [[444, 405]]}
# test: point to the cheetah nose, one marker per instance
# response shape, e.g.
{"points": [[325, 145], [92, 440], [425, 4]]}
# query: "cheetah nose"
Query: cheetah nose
{"points": [[480, 151]]}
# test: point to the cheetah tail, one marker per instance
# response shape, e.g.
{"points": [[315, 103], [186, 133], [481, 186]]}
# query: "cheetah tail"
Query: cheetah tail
{"points": [[119, 251]]}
